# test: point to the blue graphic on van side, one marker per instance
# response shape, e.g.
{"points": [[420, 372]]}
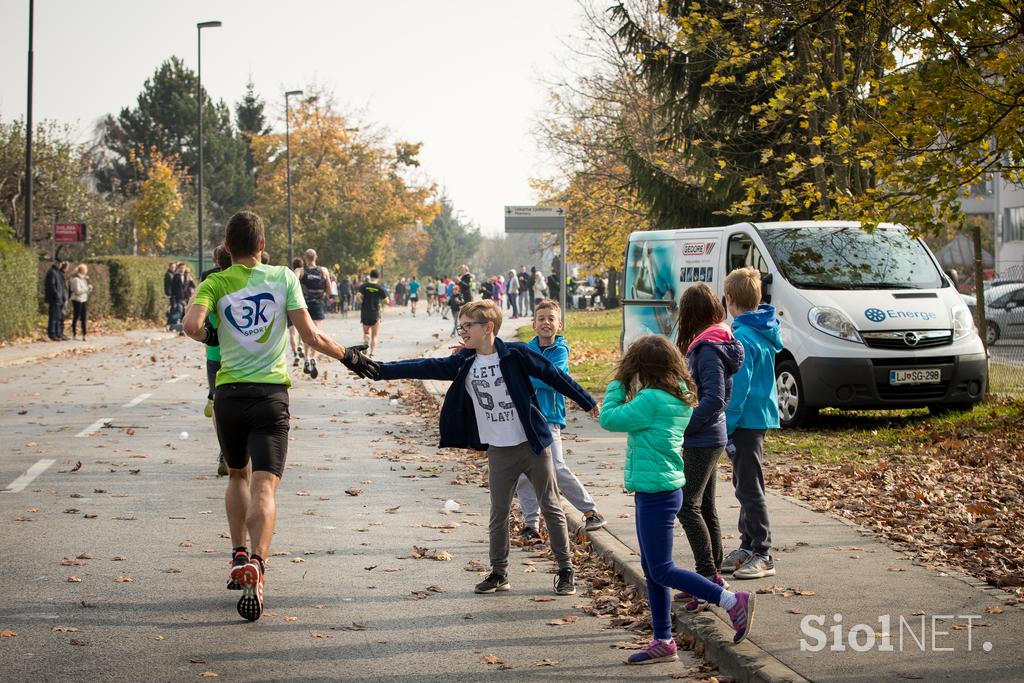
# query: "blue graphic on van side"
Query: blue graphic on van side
{"points": [[877, 315]]}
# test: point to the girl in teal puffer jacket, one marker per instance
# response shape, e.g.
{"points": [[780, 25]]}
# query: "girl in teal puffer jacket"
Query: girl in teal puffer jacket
{"points": [[651, 399]]}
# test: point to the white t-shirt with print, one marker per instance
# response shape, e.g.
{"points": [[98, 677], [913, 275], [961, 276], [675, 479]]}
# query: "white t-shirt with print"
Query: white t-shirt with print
{"points": [[496, 418]]}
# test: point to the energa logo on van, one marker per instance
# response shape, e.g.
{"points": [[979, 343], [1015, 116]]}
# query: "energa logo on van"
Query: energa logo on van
{"points": [[877, 315]]}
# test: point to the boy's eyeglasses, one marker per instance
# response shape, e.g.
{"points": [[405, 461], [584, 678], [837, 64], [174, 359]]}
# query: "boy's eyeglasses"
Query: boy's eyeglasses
{"points": [[464, 327]]}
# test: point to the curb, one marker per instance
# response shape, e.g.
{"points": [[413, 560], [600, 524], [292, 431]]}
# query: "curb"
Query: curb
{"points": [[746, 662]]}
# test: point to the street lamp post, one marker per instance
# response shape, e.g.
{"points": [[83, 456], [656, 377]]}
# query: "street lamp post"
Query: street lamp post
{"points": [[199, 98], [28, 132], [288, 166]]}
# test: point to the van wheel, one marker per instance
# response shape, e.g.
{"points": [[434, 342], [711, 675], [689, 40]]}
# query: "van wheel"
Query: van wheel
{"points": [[793, 412], [991, 333]]}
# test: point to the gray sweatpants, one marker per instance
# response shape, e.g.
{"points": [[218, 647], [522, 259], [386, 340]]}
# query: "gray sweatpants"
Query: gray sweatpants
{"points": [[568, 485], [748, 480], [505, 464]]}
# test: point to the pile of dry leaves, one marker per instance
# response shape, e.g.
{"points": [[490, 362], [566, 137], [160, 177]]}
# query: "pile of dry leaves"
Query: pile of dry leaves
{"points": [[952, 496]]}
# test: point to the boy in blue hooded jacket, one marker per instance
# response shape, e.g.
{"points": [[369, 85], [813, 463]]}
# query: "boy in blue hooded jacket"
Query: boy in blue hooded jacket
{"points": [[547, 322], [752, 411]]}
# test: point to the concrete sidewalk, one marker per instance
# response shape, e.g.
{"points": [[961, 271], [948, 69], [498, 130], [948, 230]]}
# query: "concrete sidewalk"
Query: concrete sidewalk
{"points": [[843, 606], [39, 350]]}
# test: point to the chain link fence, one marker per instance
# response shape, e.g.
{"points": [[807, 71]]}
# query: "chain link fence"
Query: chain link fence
{"points": [[1004, 316]]}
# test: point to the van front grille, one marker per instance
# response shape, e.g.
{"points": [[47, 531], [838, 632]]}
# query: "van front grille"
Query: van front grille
{"points": [[907, 340]]}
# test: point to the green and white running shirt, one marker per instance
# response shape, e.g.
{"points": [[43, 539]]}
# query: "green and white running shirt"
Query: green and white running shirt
{"points": [[252, 305]]}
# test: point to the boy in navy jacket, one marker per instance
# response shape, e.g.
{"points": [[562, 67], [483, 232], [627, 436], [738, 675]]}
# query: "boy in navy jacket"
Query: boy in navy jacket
{"points": [[491, 405], [752, 411]]}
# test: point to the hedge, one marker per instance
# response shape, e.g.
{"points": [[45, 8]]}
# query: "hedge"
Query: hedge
{"points": [[17, 291], [99, 278], [136, 286]]}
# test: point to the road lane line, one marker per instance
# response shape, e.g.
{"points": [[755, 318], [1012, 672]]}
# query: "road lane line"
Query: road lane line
{"points": [[94, 427], [136, 401], [176, 379], [26, 479]]}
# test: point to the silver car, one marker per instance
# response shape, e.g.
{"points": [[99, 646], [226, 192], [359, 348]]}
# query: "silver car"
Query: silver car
{"points": [[1004, 312]]}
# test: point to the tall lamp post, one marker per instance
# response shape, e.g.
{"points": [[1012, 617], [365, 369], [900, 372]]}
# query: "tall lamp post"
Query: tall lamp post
{"points": [[28, 133], [199, 98], [288, 165]]}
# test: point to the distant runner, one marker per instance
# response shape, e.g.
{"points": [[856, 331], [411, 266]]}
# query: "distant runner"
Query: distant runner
{"points": [[222, 261], [314, 280], [414, 295], [374, 294]]}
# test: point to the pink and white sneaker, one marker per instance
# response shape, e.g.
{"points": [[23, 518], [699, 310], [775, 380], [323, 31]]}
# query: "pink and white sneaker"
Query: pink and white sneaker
{"points": [[658, 651]]}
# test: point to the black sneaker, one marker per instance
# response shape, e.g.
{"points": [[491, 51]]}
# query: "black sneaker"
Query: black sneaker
{"points": [[529, 534], [594, 521], [494, 583], [222, 466], [313, 372], [296, 360], [305, 367], [565, 582]]}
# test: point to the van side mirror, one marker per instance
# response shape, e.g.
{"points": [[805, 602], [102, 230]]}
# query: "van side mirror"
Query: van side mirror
{"points": [[766, 278]]}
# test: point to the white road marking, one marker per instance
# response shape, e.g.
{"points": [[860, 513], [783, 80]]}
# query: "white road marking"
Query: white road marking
{"points": [[136, 401], [176, 379], [26, 479], [94, 427]]}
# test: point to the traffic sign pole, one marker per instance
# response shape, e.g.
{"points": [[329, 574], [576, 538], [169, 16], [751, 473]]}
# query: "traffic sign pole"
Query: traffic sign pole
{"points": [[542, 219]]}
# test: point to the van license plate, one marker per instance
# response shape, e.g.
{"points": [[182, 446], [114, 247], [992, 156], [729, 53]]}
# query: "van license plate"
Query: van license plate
{"points": [[915, 376]]}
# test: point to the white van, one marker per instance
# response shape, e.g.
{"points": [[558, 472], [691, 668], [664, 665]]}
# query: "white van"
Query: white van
{"points": [[868, 319]]}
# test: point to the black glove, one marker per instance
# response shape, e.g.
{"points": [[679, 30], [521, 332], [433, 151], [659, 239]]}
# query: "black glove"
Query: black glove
{"points": [[358, 363], [211, 334]]}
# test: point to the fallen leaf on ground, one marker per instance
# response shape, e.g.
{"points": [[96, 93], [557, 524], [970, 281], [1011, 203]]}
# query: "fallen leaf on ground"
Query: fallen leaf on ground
{"points": [[208, 674], [74, 579], [543, 598], [564, 620], [64, 629], [546, 662], [491, 659], [79, 643], [159, 637], [7, 634], [123, 579], [353, 490], [994, 609], [318, 634]]}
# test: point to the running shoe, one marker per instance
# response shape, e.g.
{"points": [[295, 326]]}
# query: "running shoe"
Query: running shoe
{"points": [[250, 605], [313, 372], [296, 360], [240, 559], [695, 604], [208, 410], [565, 581], [305, 367], [529, 534], [594, 520], [222, 466], [742, 615], [734, 559], [657, 651], [495, 582], [756, 567]]}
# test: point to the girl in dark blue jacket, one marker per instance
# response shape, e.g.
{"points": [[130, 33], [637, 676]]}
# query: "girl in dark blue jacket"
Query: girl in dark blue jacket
{"points": [[713, 356]]}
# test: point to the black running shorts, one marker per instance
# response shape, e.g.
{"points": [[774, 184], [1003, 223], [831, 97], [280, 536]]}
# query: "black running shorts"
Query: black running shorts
{"points": [[252, 422], [368, 319], [316, 309]]}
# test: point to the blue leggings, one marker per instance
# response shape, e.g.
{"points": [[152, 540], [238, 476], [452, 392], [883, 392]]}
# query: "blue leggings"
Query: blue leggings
{"points": [[655, 526]]}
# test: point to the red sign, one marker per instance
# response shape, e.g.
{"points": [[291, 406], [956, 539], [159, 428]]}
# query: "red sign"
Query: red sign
{"points": [[69, 232]]}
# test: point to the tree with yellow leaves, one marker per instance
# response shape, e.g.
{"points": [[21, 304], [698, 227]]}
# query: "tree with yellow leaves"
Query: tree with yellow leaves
{"points": [[350, 188], [158, 201]]}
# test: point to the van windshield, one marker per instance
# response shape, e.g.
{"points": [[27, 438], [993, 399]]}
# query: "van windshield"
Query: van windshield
{"points": [[851, 258]]}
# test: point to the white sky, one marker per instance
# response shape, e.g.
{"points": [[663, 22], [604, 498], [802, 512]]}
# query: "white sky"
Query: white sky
{"points": [[461, 76]]}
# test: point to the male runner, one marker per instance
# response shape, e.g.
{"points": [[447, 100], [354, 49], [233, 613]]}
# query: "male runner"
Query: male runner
{"points": [[314, 280], [221, 261], [294, 343], [251, 403], [414, 295], [374, 294]]}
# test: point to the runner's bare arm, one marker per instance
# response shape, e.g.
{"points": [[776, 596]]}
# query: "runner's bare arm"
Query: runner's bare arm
{"points": [[194, 321], [314, 337]]}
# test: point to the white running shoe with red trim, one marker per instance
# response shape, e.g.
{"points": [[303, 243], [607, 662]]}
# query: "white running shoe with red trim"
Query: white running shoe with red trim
{"points": [[250, 605]]}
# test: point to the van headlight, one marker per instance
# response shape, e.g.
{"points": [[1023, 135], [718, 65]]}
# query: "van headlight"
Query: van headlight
{"points": [[963, 321], [834, 322]]}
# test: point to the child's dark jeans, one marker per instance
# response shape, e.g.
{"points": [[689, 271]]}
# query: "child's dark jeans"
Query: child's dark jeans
{"points": [[748, 480]]}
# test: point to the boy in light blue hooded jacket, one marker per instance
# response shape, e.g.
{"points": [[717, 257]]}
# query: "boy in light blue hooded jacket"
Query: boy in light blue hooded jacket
{"points": [[752, 411]]}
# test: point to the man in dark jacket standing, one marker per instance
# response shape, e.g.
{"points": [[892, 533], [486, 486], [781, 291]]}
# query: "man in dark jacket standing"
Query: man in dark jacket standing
{"points": [[55, 295]]}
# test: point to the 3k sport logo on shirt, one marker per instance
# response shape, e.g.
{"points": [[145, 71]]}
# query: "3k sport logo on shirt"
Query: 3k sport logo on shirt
{"points": [[249, 316]]}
